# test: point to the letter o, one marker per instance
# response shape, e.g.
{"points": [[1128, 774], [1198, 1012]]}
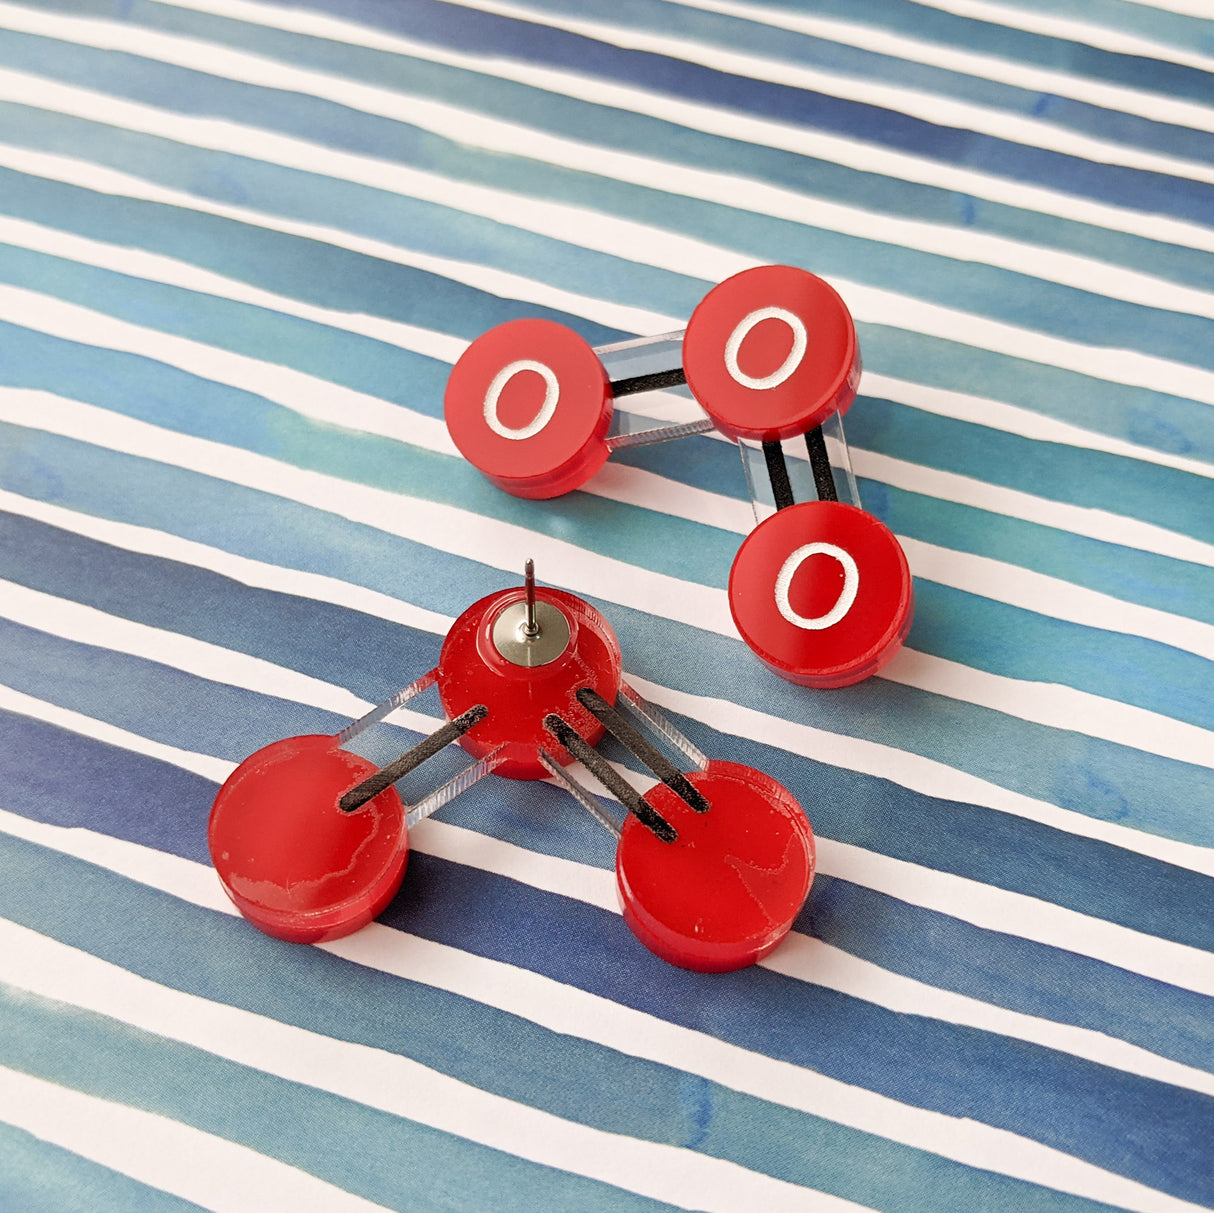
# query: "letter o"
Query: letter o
{"points": [[552, 393], [800, 342], [847, 595]]}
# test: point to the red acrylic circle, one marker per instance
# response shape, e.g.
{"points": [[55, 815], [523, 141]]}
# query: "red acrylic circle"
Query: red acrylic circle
{"points": [[294, 864], [865, 637], [472, 671], [726, 891], [569, 446], [725, 378]]}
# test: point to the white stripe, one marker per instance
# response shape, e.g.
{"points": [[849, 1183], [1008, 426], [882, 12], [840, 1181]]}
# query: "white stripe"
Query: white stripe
{"points": [[583, 1015], [1071, 29], [317, 399], [254, 573], [1023, 422], [1156, 107], [1014, 503], [152, 1149], [322, 400], [1184, 8], [943, 402], [810, 960], [492, 542], [1053, 597], [82, 624], [969, 900], [214, 769], [908, 770], [627, 239], [403, 1087], [936, 108]]}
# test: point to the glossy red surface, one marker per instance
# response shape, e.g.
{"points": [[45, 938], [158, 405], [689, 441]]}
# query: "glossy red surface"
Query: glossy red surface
{"points": [[726, 891], [873, 627], [472, 671], [815, 379], [567, 403], [293, 863]]}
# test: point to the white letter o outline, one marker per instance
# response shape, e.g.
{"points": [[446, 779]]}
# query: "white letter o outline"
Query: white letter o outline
{"points": [[847, 595], [800, 342], [552, 393]]}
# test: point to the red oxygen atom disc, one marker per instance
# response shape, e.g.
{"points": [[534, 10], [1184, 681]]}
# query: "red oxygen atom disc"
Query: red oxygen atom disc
{"points": [[472, 670], [529, 404], [821, 591], [771, 353], [726, 891], [294, 864]]}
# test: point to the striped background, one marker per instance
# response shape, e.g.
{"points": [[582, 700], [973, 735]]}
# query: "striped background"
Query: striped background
{"points": [[241, 244]]}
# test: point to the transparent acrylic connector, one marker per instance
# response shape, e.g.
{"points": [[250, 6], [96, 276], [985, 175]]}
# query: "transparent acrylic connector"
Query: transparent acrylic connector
{"points": [[649, 718], [381, 736], [800, 473], [652, 404]]}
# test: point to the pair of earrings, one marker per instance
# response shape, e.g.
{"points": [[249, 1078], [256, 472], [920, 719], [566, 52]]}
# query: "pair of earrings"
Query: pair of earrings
{"points": [[713, 864]]}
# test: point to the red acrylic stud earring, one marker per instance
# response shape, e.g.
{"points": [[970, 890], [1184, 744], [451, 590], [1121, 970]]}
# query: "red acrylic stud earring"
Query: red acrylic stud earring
{"points": [[820, 590], [310, 839]]}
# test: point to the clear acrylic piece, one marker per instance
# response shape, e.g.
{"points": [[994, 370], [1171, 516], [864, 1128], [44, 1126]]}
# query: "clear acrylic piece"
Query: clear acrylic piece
{"points": [[800, 473], [658, 724], [385, 709], [658, 414], [579, 793], [460, 782]]}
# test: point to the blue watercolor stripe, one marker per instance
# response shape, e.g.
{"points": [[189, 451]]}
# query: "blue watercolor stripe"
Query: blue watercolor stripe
{"points": [[1169, 498], [1013, 298], [1136, 414], [570, 1077], [1092, 777], [734, 33], [1156, 24], [297, 1124], [1070, 1104], [37, 1177], [1159, 581], [1010, 972]]}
